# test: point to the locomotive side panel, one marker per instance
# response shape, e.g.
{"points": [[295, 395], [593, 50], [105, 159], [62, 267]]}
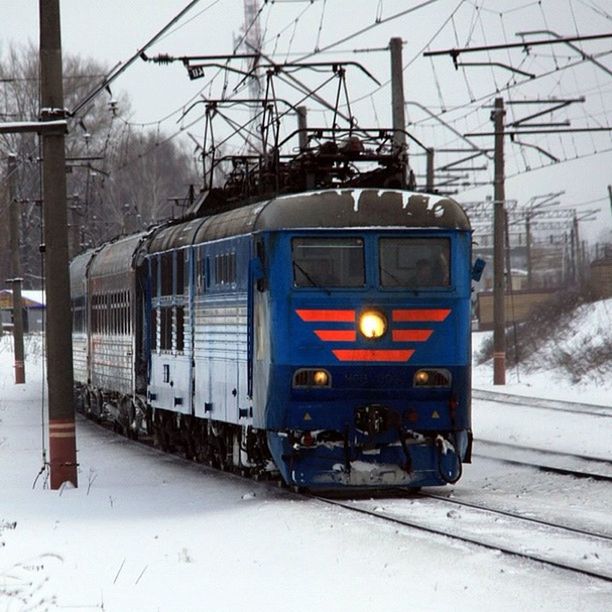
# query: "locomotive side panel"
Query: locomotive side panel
{"points": [[170, 331], [220, 331]]}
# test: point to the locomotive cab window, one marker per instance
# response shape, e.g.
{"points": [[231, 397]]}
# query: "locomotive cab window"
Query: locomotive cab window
{"points": [[328, 262], [414, 263]]}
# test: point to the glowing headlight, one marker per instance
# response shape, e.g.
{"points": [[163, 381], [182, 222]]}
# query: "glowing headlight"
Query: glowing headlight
{"points": [[372, 324], [432, 377], [421, 378], [306, 377], [320, 378]]}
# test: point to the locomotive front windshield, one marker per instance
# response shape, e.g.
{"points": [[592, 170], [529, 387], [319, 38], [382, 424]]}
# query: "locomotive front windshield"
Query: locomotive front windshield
{"points": [[414, 263], [328, 262]]}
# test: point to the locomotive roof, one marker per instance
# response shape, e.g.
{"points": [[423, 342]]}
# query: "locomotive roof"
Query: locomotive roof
{"points": [[362, 208], [333, 208]]}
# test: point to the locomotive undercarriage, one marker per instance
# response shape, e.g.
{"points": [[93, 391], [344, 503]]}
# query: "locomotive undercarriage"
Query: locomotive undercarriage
{"points": [[222, 445], [246, 451], [329, 460]]}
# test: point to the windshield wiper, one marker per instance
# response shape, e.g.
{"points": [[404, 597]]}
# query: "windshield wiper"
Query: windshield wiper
{"points": [[398, 282], [309, 278]]}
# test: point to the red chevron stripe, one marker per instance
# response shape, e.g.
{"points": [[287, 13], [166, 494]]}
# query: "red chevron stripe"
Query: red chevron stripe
{"points": [[372, 355], [336, 335], [411, 335], [335, 316], [421, 314]]}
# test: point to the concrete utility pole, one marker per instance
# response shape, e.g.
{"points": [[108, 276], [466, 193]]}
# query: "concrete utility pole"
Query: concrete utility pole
{"points": [[74, 238], [579, 258], [397, 99], [302, 121], [499, 288], [62, 435], [528, 250], [16, 271], [429, 173]]}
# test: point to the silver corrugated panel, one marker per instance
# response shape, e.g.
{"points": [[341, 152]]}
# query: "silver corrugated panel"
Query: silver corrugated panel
{"points": [[79, 357], [112, 362]]}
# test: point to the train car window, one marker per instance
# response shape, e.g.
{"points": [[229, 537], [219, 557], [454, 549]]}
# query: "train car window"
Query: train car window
{"points": [[153, 330], [414, 262], [111, 313], [166, 274], [105, 317], [153, 271], [328, 262], [200, 270], [232, 267], [165, 337], [218, 271], [180, 328], [188, 273], [115, 311], [94, 314], [128, 302], [261, 255], [124, 313], [180, 273]]}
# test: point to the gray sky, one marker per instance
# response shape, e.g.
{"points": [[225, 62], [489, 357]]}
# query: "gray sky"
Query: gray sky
{"points": [[112, 31]]}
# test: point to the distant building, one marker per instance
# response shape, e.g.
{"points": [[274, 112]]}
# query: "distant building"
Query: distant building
{"points": [[33, 309]]}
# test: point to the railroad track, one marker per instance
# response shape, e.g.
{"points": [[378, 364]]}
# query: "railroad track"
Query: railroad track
{"points": [[568, 464], [545, 404], [558, 546], [579, 551]]}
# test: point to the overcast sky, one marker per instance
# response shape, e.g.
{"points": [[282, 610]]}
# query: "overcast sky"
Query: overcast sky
{"points": [[457, 102]]}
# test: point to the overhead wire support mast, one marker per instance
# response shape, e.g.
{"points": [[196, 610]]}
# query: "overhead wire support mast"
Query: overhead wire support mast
{"points": [[15, 218], [62, 434], [499, 214]]}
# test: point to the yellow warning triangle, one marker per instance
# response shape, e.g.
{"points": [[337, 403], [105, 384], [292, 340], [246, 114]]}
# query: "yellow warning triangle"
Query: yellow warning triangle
{"points": [[307, 417], [435, 415]]}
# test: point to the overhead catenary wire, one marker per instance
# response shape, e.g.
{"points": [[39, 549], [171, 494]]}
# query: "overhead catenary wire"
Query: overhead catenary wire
{"points": [[124, 66], [474, 21]]}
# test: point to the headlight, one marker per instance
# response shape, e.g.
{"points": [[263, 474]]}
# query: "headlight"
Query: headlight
{"points": [[311, 378], [432, 377], [372, 324], [320, 378]]}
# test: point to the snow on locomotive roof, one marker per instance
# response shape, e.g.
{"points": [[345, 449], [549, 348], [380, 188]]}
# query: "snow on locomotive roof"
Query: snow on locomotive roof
{"points": [[362, 208], [336, 208], [332, 208]]}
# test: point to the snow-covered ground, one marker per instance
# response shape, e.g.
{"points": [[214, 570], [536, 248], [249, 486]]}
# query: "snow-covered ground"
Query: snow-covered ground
{"points": [[588, 330], [147, 531]]}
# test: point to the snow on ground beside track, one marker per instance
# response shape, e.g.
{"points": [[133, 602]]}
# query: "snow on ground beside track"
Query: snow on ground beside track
{"points": [[590, 328], [147, 531]]}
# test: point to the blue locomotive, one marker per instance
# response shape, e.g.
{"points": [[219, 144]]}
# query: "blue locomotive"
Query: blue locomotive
{"points": [[322, 334]]}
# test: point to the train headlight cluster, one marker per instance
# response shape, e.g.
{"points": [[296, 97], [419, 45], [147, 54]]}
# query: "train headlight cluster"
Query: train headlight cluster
{"points": [[372, 324], [432, 377], [311, 378]]}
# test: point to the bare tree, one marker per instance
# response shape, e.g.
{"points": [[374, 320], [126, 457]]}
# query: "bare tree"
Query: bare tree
{"points": [[119, 178]]}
